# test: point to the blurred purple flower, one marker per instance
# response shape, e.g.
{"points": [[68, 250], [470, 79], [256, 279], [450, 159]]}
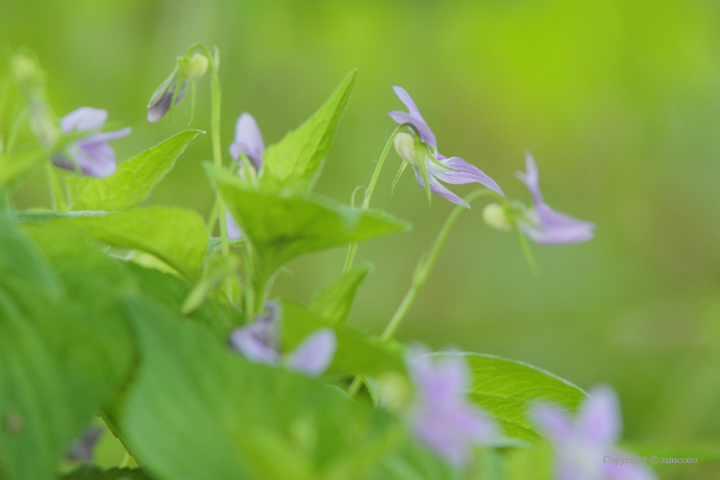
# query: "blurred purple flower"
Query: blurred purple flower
{"points": [[542, 224], [585, 446], [259, 342], [453, 170], [82, 449], [187, 71], [90, 153], [249, 142], [441, 417]]}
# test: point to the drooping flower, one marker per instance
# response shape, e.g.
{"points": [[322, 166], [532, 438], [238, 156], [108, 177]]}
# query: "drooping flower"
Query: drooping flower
{"points": [[89, 153], [441, 417], [259, 342], [248, 142], [453, 170], [186, 71], [542, 224], [585, 447]]}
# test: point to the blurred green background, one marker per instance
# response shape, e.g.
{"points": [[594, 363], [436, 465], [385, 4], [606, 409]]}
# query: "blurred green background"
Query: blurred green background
{"points": [[619, 101]]}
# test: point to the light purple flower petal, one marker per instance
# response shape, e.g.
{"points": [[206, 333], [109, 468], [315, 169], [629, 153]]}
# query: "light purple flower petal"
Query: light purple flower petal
{"points": [[440, 189], [260, 341], [413, 117], [233, 231], [531, 178], [600, 421], [441, 418], [544, 225], [553, 422], [84, 119], [91, 153], [81, 450], [314, 355], [462, 172], [626, 471], [248, 140], [245, 341]]}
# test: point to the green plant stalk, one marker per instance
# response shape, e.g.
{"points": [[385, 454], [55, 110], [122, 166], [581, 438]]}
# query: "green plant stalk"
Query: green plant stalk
{"points": [[56, 190], [352, 250], [425, 265], [422, 270]]}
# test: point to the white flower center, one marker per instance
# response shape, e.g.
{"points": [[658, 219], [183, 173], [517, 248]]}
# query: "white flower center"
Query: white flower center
{"points": [[495, 217], [405, 147]]}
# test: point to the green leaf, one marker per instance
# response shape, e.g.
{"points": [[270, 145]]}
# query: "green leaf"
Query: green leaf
{"points": [[176, 236], [357, 353], [17, 166], [415, 462], [171, 292], [134, 179], [294, 163], [196, 410], [64, 347], [506, 388], [282, 228], [334, 303], [93, 473]]}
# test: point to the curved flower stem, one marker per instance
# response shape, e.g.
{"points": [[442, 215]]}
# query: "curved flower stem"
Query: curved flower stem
{"points": [[368, 194], [422, 270], [425, 264]]}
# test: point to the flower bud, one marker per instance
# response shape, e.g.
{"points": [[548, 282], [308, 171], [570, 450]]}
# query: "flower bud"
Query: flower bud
{"points": [[495, 216], [405, 147], [197, 66]]}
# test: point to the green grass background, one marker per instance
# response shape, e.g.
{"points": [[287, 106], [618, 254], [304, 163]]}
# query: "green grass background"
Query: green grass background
{"points": [[619, 100]]}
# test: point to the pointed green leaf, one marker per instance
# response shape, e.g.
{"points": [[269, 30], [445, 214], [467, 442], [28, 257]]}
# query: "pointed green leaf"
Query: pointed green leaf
{"points": [[294, 163], [133, 181], [64, 346], [334, 303], [176, 236], [506, 388], [282, 228]]}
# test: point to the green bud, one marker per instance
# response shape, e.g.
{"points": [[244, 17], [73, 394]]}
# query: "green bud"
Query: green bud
{"points": [[405, 147], [197, 66], [496, 217], [26, 71]]}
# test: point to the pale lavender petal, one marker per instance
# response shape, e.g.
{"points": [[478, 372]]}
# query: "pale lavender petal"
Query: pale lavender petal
{"points": [[548, 227], [314, 355], [233, 231], [248, 140], [462, 172], [408, 101], [426, 134], [600, 420], [553, 422], [441, 380], [83, 119], [440, 189], [260, 341], [531, 178], [246, 341], [101, 137]]}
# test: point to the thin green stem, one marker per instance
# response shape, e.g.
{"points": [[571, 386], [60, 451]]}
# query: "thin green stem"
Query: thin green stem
{"points": [[425, 264], [56, 190], [352, 250]]}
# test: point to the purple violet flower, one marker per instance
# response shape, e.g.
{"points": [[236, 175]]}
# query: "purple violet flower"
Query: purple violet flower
{"points": [[81, 450], [542, 224], [441, 418], [453, 170], [584, 447], [188, 70], [90, 153], [248, 142], [259, 342]]}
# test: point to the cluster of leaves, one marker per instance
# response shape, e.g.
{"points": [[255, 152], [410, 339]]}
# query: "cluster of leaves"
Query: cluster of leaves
{"points": [[120, 310]]}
